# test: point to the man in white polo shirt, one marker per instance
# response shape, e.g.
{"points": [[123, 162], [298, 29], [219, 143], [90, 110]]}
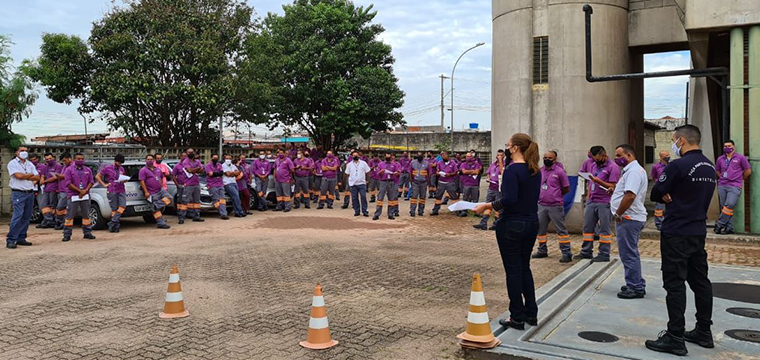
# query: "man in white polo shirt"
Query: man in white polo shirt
{"points": [[23, 177], [357, 171], [229, 180], [627, 205]]}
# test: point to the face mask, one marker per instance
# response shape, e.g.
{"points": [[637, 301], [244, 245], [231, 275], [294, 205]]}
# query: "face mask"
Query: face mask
{"points": [[330, 156], [23, 155], [600, 162], [262, 157], [50, 162], [676, 149], [622, 162], [387, 159], [228, 162], [269, 156], [281, 156], [667, 159], [356, 158], [419, 157], [79, 163], [548, 163], [470, 159], [159, 161], [191, 156], [35, 162], [214, 161], [300, 156], [727, 150], [149, 163]]}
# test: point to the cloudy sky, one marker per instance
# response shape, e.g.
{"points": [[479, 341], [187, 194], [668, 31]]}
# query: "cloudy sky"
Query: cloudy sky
{"points": [[426, 36]]}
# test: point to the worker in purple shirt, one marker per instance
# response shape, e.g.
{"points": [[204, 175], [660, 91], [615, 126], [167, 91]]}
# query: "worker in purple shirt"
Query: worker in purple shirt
{"points": [[151, 181], [657, 170], [242, 181], [494, 192], [191, 194], [283, 177], [63, 198], [79, 182], [330, 166], [554, 185], [304, 168], [448, 172], [432, 187], [604, 175], [403, 186], [317, 179], [732, 169], [317, 153], [374, 179], [470, 170], [338, 178], [49, 173], [260, 169], [586, 167], [108, 177], [180, 180], [419, 170], [388, 173], [215, 183]]}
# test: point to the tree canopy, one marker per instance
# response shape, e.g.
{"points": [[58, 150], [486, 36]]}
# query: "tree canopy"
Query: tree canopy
{"points": [[17, 96]]}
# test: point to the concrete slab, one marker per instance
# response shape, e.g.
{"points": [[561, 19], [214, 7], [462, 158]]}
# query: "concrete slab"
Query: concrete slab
{"points": [[584, 298]]}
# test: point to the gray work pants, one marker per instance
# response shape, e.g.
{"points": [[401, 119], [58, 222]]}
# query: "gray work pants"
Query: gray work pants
{"points": [[628, 248], [597, 213], [62, 208], [81, 209], [419, 194], [283, 191], [261, 189], [219, 200], [160, 201], [555, 214], [403, 184], [48, 204], [301, 191], [191, 199], [445, 187], [491, 196], [387, 189], [327, 191], [118, 202], [728, 196]]}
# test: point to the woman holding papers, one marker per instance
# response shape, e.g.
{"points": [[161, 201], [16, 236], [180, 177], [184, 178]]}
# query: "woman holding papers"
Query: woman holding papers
{"points": [[517, 229], [79, 180], [113, 176]]}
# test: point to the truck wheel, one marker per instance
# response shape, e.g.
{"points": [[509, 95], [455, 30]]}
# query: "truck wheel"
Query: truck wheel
{"points": [[36, 213], [96, 218]]}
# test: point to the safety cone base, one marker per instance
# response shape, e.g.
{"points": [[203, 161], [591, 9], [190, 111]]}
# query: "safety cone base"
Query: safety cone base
{"points": [[321, 346], [475, 345], [164, 315], [476, 338]]}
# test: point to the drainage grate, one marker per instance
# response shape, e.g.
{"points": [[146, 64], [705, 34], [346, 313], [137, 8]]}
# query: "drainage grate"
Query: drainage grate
{"points": [[746, 312], [597, 336], [738, 292], [744, 335]]}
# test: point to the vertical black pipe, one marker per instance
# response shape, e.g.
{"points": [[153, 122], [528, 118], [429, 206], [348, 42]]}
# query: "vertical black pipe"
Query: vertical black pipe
{"points": [[726, 113], [588, 10], [686, 112]]}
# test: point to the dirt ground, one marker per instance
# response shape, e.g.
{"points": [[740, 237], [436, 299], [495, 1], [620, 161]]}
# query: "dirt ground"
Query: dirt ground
{"points": [[393, 289]]}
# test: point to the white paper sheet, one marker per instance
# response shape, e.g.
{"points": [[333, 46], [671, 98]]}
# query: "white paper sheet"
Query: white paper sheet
{"points": [[77, 198], [463, 205], [187, 174], [124, 178], [585, 175], [442, 173]]}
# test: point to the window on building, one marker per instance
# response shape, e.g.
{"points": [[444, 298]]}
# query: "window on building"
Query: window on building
{"points": [[649, 154], [541, 60]]}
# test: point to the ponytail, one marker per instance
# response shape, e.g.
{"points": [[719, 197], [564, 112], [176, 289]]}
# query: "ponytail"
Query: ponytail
{"points": [[529, 149]]}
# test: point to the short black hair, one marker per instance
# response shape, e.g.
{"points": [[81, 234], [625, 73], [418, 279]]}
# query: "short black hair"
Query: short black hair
{"points": [[119, 158], [149, 155], [556, 154], [596, 150], [500, 151], [627, 149], [156, 154], [690, 133], [78, 154], [48, 154], [730, 141], [65, 156], [32, 156]]}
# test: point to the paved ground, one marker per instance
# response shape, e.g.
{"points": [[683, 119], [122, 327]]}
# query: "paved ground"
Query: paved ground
{"points": [[394, 290]]}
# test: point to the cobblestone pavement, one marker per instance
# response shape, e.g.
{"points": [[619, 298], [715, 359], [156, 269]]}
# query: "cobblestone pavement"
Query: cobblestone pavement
{"points": [[393, 290]]}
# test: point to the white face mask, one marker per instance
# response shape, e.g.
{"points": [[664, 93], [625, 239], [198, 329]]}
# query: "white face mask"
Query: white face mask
{"points": [[676, 149], [23, 155], [228, 162], [262, 157], [300, 156]]}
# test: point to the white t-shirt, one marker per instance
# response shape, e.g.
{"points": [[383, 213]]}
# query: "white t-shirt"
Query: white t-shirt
{"points": [[635, 180], [26, 167], [357, 172], [226, 180]]}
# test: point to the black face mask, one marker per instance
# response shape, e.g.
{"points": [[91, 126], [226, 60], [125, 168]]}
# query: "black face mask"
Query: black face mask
{"points": [[214, 161], [159, 161], [387, 159], [548, 163], [191, 156], [600, 162], [419, 158]]}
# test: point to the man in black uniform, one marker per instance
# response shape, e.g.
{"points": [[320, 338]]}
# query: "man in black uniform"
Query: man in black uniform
{"points": [[686, 186]]}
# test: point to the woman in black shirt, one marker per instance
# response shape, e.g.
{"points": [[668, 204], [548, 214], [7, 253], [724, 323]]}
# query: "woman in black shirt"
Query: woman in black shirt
{"points": [[517, 228]]}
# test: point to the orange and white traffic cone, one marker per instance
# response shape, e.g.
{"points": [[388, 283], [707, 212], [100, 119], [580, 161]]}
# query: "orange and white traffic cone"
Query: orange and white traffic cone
{"points": [[174, 307], [318, 336], [478, 333]]}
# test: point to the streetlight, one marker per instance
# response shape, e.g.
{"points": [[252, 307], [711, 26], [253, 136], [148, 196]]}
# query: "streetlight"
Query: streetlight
{"points": [[452, 90]]}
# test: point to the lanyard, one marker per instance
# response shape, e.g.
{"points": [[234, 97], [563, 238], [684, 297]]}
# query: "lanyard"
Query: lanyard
{"points": [[75, 173]]}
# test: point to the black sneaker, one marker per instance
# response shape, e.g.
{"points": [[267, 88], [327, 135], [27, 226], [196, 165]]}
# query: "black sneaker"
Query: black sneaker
{"points": [[89, 236], [434, 213], [566, 259], [420, 214], [320, 207], [412, 214], [164, 226], [509, 323], [286, 210], [717, 229], [344, 206], [198, 220], [728, 232], [625, 288], [631, 294], [375, 217], [492, 228], [307, 206], [225, 217], [583, 256], [532, 321], [667, 343], [238, 215], [539, 255], [181, 221], [391, 217], [699, 337], [58, 228], [365, 215], [66, 238], [356, 214], [480, 226], [600, 258], [10, 245]]}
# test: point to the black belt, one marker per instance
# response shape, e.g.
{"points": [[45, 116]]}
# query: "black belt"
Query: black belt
{"points": [[389, 180], [23, 191]]}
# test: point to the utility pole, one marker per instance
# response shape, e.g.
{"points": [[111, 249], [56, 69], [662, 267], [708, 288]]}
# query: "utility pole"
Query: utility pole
{"points": [[452, 90], [221, 134], [443, 116]]}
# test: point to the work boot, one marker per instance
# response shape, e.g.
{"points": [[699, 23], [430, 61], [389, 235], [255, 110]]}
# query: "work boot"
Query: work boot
{"points": [[492, 227], [411, 213], [717, 229], [434, 213], [296, 206], [329, 207], [583, 256], [164, 226], [320, 207], [375, 217], [421, 213], [566, 259], [286, 210], [600, 258], [198, 220], [667, 343], [344, 206], [65, 239], [10, 245], [539, 255], [631, 294], [89, 236], [372, 199], [480, 226], [181, 221], [390, 217], [58, 227], [225, 217], [307, 206], [699, 337], [23, 243]]}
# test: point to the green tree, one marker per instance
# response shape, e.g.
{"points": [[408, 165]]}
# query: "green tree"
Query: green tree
{"points": [[17, 96], [158, 70], [320, 68]]}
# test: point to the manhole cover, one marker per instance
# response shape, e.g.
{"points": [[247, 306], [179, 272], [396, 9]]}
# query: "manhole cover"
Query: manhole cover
{"points": [[744, 335], [746, 312], [597, 336], [738, 292]]}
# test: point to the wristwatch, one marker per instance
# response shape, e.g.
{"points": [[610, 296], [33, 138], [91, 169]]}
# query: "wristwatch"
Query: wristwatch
{"points": [[617, 217]]}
